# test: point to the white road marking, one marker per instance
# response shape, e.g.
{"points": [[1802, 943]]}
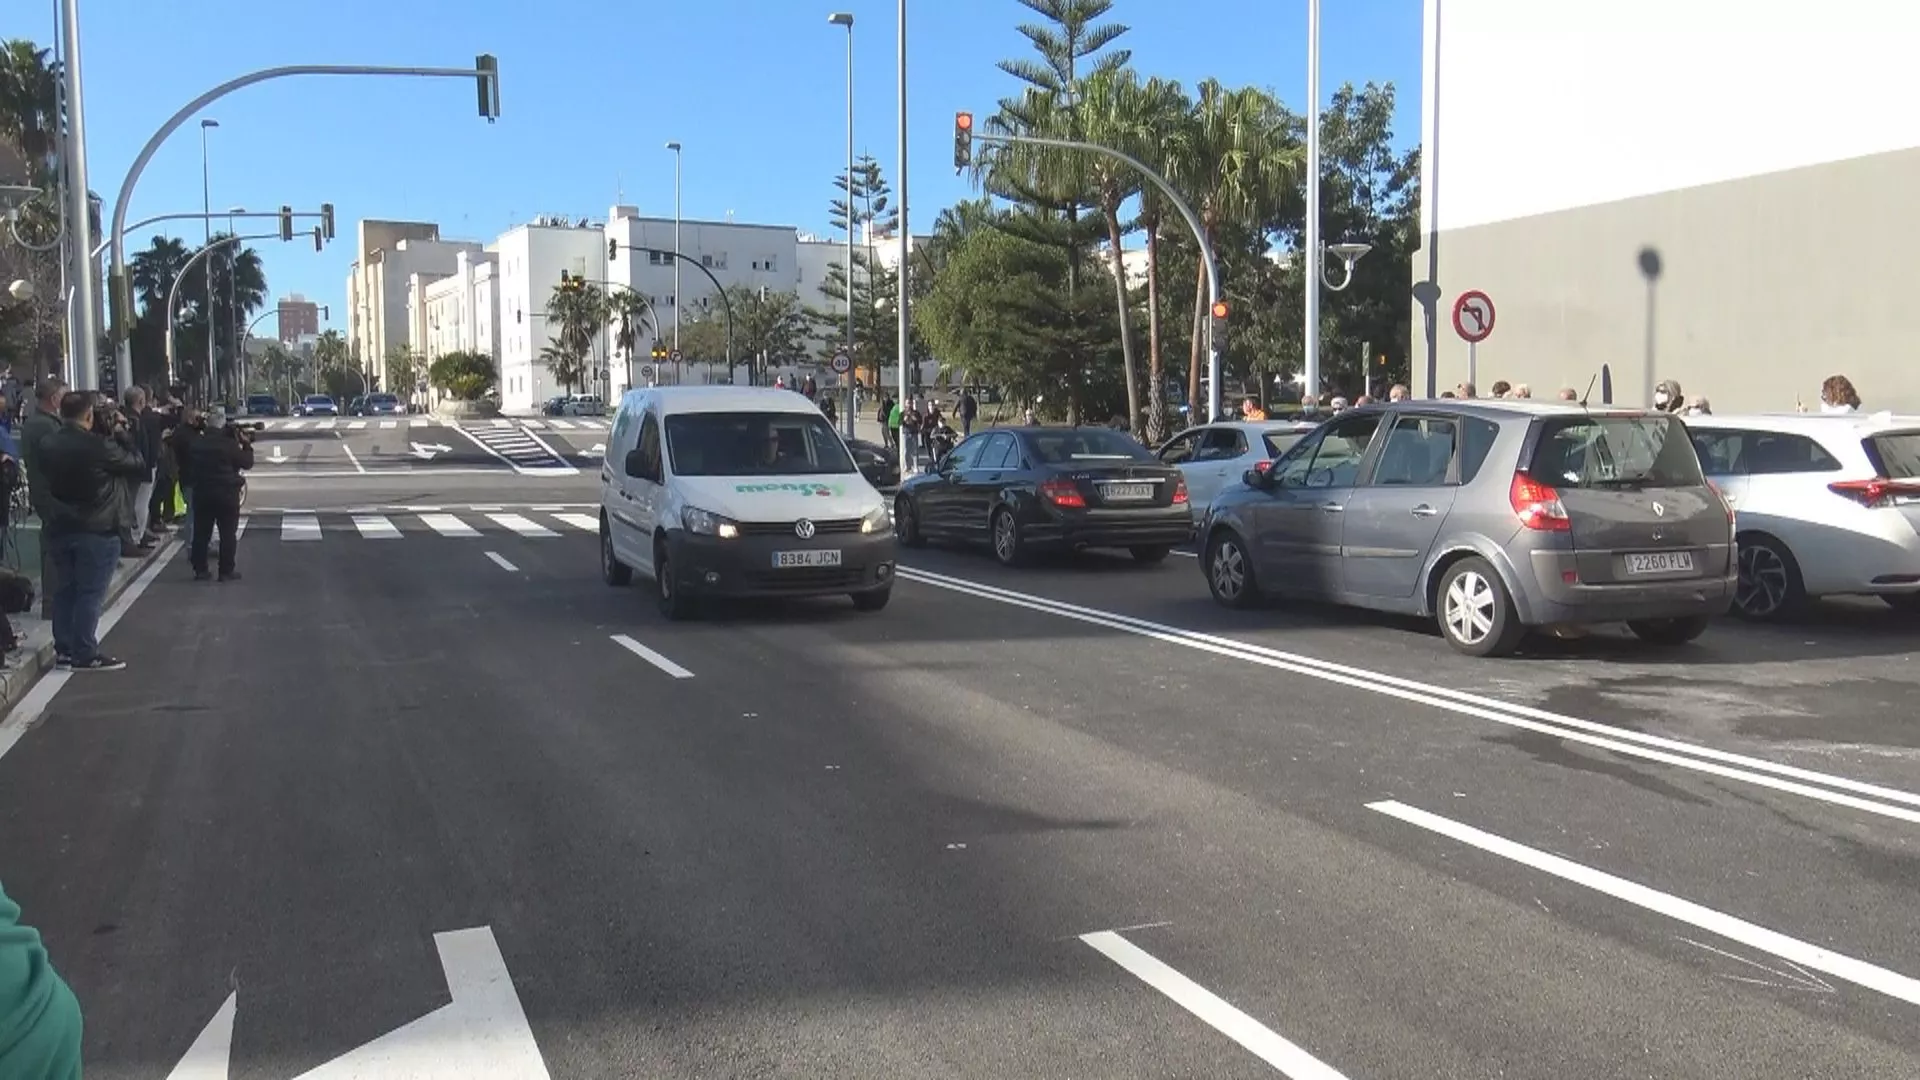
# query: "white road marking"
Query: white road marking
{"points": [[326, 425], [502, 423], [211, 1055], [29, 709], [485, 509], [389, 425], [448, 525], [521, 525], [351, 456], [1705, 759], [583, 522], [1259, 1040], [1792, 950], [293, 425], [500, 561], [560, 425], [419, 421], [374, 527], [356, 425], [269, 479], [299, 527], [651, 657]]}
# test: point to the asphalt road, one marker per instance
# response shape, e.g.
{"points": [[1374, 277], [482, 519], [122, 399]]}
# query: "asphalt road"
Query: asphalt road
{"points": [[1072, 821], [348, 446]]}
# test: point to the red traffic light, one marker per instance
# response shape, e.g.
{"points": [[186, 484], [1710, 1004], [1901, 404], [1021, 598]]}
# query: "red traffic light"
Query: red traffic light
{"points": [[1219, 309], [963, 121]]}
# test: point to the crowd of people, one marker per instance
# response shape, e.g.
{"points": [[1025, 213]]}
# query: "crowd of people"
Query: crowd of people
{"points": [[110, 480], [1837, 395]]}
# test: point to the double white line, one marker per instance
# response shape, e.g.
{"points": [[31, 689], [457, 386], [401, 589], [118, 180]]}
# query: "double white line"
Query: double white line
{"points": [[1825, 787]]}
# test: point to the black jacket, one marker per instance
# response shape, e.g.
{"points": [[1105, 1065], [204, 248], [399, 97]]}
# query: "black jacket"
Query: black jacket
{"points": [[151, 425], [84, 472], [215, 460]]}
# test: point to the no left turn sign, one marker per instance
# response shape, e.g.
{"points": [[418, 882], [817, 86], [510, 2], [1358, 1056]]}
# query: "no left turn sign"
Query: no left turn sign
{"points": [[1473, 316]]}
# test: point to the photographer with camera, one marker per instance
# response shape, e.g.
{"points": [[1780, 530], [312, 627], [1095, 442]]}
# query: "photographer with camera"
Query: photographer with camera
{"points": [[109, 421], [218, 453], [143, 424], [86, 469]]}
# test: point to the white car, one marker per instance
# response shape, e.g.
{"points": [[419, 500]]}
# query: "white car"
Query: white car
{"points": [[1214, 456], [583, 405], [1824, 505], [735, 491]]}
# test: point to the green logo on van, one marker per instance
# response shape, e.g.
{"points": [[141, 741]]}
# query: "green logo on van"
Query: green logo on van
{"points": [[821, 490]]}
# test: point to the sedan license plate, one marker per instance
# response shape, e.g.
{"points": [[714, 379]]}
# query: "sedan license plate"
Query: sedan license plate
{"points": [[1126, 492], [1661, 562], [787, 560]]}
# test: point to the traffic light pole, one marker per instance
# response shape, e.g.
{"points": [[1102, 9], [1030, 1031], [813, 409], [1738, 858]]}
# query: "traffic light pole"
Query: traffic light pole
{"points": [[100, 248], [1186, 213], [173, 292], [485, 70], [725, 300], [653, 317]]}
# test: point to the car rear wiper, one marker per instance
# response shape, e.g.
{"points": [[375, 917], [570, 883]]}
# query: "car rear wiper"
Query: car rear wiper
{"points": [[1625, 482]]}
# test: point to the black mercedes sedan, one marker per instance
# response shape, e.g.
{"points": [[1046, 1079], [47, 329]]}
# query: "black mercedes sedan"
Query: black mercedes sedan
{"points": [[1024, 489]]}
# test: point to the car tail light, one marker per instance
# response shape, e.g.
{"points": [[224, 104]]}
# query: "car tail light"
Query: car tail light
{"points": [[1726, 504], [1180, 492], [1875, 493], [1263, 466], [1063, 493], [1537, 504]]}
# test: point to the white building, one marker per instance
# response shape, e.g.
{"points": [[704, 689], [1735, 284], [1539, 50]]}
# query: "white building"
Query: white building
{"points": [[458, 312], [379, 285], [1767, 155]]}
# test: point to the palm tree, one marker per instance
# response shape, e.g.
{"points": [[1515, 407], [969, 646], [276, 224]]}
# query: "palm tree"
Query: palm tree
{"points": [[568, 367], [577, 312], [330, 351], [1112, 114], [30, 104], [1162, 115], [630, 315], [156, 268], [1238, 161]]}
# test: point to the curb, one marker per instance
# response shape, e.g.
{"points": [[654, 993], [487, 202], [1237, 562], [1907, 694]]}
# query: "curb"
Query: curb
{"points": [[36, 651]]}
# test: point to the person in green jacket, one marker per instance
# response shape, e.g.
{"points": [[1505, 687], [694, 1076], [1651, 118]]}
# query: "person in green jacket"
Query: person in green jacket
{"points": [[43, 420], [39, 1016]]}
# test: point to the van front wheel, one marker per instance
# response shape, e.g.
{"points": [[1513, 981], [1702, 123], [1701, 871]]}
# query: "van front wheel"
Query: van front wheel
{"points": [[674, 605]]}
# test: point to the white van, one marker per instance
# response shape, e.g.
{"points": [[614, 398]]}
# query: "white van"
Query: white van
{"points": [[738, 491]]}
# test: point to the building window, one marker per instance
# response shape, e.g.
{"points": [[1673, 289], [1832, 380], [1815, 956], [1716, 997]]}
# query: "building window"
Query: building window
{"points": [[657, 258], [715, 261]]}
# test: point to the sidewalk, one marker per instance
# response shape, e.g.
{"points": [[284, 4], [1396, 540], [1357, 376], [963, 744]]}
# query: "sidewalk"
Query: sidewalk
{"points": [[22, 669]]}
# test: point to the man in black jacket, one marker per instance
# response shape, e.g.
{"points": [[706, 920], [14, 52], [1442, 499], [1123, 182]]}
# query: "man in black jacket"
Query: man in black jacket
{"points": [[217, 456], [85, 472]]}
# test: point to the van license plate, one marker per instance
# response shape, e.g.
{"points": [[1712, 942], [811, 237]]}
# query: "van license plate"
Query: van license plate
{"points": [[1661, 562], [787, 560], [1122, 492]]}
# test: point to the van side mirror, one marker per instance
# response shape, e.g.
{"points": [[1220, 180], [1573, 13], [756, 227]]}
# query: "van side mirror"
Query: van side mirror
{"points": [[637, 464]]}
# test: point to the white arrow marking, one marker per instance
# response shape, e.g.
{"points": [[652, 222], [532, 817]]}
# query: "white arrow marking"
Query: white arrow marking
{"points": [[596, 450], [277, 455], [481, 1035], [425, 451]]}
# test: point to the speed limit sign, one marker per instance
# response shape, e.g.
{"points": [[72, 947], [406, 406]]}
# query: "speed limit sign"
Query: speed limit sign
{"points": [[842, 363], [646, 371]]}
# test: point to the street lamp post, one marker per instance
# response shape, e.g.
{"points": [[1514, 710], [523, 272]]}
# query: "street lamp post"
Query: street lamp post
{"points": [[1316, 249], [845, 18], [233, 308], [83, 335], [206, 206], [900, 178], [675, 147]]}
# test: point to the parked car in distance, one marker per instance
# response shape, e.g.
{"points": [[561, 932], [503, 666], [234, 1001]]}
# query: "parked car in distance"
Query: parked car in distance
{"points": [[584, 405], [1492, 517], [263, 405], [1824, 505], [382, 405], [1028, 488], [554, 406], [1214, 456], [316, 405]]}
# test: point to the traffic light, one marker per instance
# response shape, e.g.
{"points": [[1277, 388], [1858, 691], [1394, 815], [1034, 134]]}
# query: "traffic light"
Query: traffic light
{"points": [[962, 140], [487, 69], [1220, 326], [326, 220], [286, 223], [660, 351], [613, 249], [319, 239]]}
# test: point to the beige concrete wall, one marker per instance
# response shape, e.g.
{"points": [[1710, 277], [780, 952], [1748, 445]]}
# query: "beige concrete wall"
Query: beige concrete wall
{"points": [[1768, 285]]}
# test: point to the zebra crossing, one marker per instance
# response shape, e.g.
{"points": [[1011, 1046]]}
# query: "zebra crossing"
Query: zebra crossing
{"points": [[331, 423], [518, 447], [299, 526]]}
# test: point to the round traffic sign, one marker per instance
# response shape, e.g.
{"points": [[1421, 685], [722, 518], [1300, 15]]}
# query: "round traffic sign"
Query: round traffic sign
{"points": [[646, 371], [674, 356], [1473, 316], [842, 363]]}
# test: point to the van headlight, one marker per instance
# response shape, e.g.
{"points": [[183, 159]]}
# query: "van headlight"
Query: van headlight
{"points": [[878, 520], [706, 523]]}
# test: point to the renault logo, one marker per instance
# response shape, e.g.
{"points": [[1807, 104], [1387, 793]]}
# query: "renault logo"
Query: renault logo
{"points": [[803, 529], [1659, 510]]}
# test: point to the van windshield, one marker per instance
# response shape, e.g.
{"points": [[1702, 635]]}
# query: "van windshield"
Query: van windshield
{"points": [[755, 444], [1616, 451]]}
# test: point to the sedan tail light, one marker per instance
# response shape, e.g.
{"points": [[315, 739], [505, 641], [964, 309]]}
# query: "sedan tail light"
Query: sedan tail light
{"points": [[1877, 492], [1538, 505], [1726, 504], [1180, 492], [1063, 493]]}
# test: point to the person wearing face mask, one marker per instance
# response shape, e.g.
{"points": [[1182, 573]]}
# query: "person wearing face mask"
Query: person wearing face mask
{"points": [[1667, 396]]}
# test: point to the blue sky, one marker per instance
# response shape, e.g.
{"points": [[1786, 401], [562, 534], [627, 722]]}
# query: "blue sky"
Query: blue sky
{"points": [[592, 89]]}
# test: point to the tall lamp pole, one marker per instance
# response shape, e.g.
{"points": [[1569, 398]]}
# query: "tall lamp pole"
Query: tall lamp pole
{"points": [[206, 207], [845, 18], [900, 178], [83, 335], [1312, 283], [675, 147]]}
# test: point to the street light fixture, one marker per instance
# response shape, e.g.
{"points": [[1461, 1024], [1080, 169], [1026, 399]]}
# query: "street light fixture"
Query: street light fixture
{"points": [[675, 147], [1348, 254], [21, 290], [845, 18]]}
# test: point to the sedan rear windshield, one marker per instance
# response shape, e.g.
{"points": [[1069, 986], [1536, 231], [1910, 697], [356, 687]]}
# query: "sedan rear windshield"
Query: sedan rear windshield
{"points": [[1616, 451], [1066, 446], [319, 399], [1897, 453], [755, 444], [382, 399]]}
